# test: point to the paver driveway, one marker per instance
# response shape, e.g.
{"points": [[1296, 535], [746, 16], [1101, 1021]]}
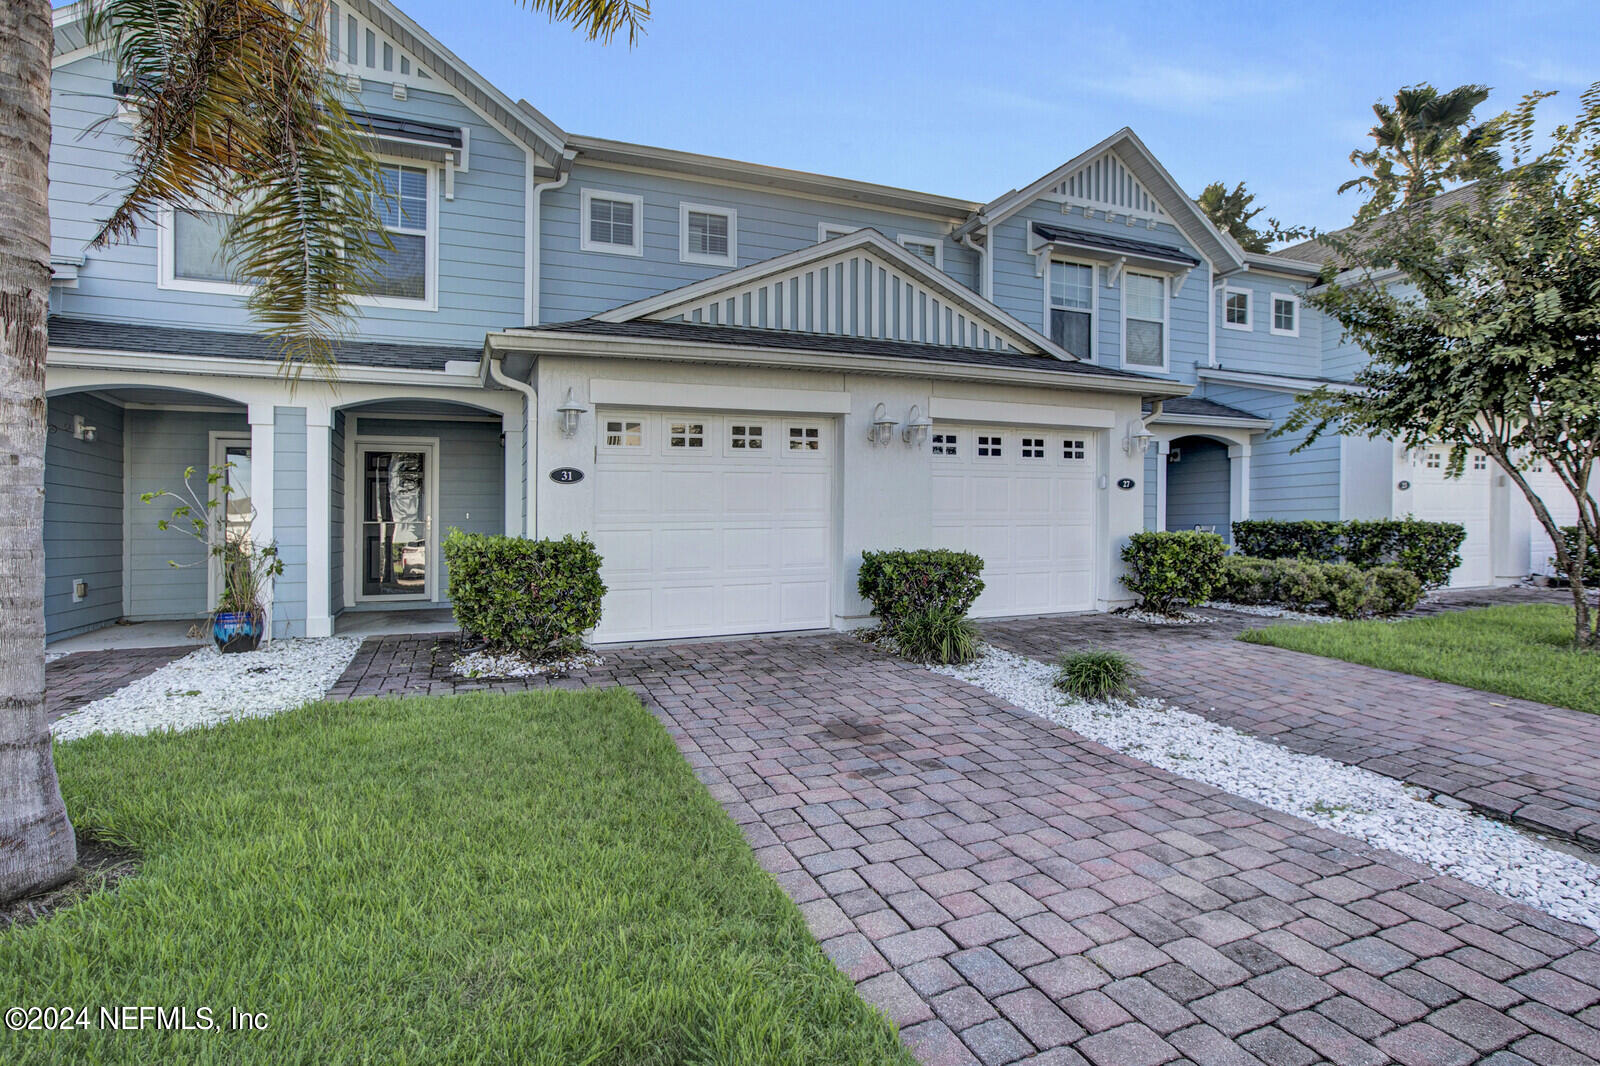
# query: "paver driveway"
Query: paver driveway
{"points": [[1007, 891]]}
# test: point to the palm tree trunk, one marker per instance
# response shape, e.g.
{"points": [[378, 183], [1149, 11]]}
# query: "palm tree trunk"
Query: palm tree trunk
{"points": [[37, 847]]}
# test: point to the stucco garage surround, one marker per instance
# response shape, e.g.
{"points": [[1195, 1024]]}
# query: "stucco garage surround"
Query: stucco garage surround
{"points": [[1067, 518]]}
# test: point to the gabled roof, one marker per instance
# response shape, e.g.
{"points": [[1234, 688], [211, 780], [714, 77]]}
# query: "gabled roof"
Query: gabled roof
{"points": [[1153, 181], [861, 284], [1317, 251]]}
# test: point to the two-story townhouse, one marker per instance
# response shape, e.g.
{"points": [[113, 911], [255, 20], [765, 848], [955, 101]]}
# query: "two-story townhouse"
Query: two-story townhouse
{"points": [[735, 378]]}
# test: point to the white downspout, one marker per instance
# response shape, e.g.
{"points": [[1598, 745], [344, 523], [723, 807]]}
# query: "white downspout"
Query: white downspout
{"points": [[530, 446], [530, 235], [985, 271], [1211, 321]]}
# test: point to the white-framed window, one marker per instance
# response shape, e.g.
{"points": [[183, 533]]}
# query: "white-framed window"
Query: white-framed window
{"points": [[1072, 448], [1480, 461], [612, 222], [1070, 304], [623, 434], [827, 231], [990, 447], [1033, 447], [1285, 315], [190, 252], [804, 439], [946, 443], [928, 249], [746, 438], [1144, 320], [1236, 306], [686, 435], [1434, 460], [406, 276], [708, 234]]}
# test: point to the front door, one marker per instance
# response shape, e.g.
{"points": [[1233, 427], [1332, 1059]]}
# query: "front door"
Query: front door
{"points": [[232, 493], [395, 535]]}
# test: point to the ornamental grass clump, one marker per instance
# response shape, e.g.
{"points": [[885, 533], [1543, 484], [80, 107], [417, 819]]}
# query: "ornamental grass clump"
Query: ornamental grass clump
{"points": [[937, 635], [1096, 676]]}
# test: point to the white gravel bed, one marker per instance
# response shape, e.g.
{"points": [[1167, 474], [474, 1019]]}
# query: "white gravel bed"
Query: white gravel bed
{"points": [[1182, 618], [481, 665], [206, 687], [1362, 804], [1266, 611]]}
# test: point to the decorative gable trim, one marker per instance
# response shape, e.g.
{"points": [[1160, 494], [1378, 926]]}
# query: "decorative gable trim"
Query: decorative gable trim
{"points": [[356, 46], [860, 284], [1107, 185]]}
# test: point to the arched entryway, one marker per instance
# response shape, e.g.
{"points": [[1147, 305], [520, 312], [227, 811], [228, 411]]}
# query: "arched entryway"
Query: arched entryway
{"points": [[1198, 485]]}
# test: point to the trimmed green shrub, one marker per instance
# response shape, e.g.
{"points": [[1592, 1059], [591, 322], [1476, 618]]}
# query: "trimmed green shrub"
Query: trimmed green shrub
{"points": [[1430, 550], [1247, 580], [1096, 675], [1299, 584], [1394, 589], [1166, 568], [1591, 564], [535, 597], [901, 582], [937, 635]]}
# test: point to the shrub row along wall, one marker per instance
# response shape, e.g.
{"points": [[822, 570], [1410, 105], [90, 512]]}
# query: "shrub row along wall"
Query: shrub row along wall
{"points": [[1430, 550]]}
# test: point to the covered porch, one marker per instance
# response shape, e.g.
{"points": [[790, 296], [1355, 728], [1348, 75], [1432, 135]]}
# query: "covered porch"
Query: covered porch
{"points": [[1199, 466]]}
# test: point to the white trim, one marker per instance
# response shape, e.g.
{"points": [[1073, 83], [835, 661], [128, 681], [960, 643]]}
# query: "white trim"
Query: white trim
{"points": [[587, 245], [905, 240], [685, 255], [1219, 421], [647, 394], [1272, 312], [1166, 326], [1094, 301], [827, 231], [1248, 324], [355, 561], [958, 409], [217, 443], [213, 367], [430, 300], [167, 259], [1272, 382]]}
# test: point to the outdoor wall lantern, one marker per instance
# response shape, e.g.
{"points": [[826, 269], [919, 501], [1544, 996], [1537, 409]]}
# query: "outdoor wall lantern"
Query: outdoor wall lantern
{"points": [[882, 431], [1137, 442], [917, 426], [569, 410]]}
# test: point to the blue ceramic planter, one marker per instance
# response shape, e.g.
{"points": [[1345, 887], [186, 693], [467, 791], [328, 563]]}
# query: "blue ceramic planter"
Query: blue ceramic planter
{"points": [[237, 630]]}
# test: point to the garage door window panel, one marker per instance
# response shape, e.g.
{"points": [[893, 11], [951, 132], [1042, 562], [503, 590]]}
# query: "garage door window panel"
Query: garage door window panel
{"points": [[1073, 449], [804, 440], [625, 434], [990, 446], [947, 444], [686, 436], [746, 438]]}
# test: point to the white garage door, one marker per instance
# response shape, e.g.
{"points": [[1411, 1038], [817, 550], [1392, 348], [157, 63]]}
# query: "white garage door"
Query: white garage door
{"points": [[1464, 500], [1023, 499], [712, 523], [1562, 507]]}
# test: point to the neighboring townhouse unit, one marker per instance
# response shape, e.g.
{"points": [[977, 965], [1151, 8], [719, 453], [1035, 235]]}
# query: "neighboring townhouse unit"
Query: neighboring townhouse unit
{"points": [[734, 378]]}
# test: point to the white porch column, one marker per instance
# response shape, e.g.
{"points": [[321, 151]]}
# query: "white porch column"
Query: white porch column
{"points": [[261, 455], [513, 459], [1163, 449], [1238, 483], [319, 489]]}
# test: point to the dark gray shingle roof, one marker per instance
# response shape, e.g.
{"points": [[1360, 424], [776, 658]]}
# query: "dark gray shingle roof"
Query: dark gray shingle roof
{"points": [[1194, 405], [1122, 245], [1317, 251], [224, 344], [826, 342]]}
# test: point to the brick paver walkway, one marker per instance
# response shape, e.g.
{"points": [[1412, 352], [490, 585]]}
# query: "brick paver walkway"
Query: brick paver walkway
{"points": [[1007, 891], [85, 676], [1530, 763]]}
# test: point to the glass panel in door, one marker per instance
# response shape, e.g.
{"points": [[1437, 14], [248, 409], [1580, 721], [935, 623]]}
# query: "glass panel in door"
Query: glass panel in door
{"points": [[236, 516], [394, 524]]}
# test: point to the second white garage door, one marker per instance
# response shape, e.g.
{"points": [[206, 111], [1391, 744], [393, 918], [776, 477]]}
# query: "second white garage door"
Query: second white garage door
{"points": [[712, 523], [1464, 500], [1023, 499]]}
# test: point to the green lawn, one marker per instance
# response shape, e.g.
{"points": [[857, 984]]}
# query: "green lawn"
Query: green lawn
{"points": [[1524, 651], [486, 878]]}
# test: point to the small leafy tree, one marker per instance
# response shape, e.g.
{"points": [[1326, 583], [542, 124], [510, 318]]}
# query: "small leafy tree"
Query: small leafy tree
{"points": [[1230, 211], [1482, 321], [204, 514], [1425, 140]]}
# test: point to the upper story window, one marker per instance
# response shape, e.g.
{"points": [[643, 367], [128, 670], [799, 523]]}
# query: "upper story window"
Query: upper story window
{"points": [[192, 252], [612, 222], [1236, 308], [708, 235], [1072, 307], [928, 250], [1144, 320], [1285, 315], [403, 204]]}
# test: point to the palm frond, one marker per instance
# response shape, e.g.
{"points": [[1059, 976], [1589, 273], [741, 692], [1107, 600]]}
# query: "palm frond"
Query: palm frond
{"points": [[599, 20]]}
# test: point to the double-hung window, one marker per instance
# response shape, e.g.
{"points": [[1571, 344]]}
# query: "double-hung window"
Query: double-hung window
{"points": [[1285, 315], [401, 203], [612, 222], [1072, 307], [194, 255], [708, 235], [1144, 320]]}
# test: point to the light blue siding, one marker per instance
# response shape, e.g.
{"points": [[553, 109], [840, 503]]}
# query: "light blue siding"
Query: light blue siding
{"points": [[577, 284], [1257, 350], [480, 237], [470, 479], [1197, 486], [83, 507], [1285, 483], [289, 520], [161, 444], [1150, 468], [336, 505]]}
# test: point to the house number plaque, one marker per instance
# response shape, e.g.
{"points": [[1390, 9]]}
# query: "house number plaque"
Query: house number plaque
{"points": [[1125, 483], [566, 475]]}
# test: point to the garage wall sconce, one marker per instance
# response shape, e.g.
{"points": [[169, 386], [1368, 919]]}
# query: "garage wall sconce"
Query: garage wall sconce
{"points": [[917, 426], [569, 411], [882, 431], [1137, 442]]}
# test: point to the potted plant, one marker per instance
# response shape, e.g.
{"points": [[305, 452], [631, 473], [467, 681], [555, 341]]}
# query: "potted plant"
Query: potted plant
{"points": [[245, 569]]}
